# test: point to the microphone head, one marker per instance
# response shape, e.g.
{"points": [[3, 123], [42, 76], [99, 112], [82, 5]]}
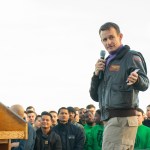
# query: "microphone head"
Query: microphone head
{"points": [[102, 54]]}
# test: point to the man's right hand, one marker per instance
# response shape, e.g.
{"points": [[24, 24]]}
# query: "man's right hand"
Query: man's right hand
{"points": [[99, 66]]}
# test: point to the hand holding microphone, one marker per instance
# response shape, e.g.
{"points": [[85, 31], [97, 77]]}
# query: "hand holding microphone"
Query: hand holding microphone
{"points": [[100, 64]]}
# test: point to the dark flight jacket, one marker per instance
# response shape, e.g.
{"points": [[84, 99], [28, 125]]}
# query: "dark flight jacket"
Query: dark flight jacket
{"points": [[115, 97]]}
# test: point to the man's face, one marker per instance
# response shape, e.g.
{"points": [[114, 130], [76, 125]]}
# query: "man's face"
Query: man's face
{"points": [[31, 117], [92, 110], [63, 116], [54, 118], [72, 116], [77, 116], [140, 117], [89, 117], [111, 39], [148, 112], [37, 123], [46, 121], [81, 113]]}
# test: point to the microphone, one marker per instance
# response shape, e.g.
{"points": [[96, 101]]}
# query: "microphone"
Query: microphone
{"points": [[102, 56]]}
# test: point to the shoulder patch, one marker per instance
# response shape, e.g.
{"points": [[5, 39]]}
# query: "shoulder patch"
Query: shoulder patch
{"points": [[137, 58]]}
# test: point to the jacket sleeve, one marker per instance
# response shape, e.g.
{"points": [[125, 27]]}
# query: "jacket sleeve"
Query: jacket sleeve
{"points": [[94, 88], [21, 145]]}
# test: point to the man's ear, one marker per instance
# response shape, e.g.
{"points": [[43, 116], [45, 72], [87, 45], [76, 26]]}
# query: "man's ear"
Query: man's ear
{"points": [[121, 36]]}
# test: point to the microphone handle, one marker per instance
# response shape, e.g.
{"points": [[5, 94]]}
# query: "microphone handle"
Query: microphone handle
{"points": [[101, 73]]}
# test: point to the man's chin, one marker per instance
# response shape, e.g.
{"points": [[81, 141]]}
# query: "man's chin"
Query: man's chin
{"points": [[63, 121], [44, 127], [110, 50]]}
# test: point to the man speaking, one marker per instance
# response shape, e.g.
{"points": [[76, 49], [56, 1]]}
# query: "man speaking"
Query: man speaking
{"points": [[124, 75]]}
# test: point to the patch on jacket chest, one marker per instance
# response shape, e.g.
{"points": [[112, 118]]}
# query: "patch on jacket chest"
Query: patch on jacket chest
{"points": [[114, 68]]}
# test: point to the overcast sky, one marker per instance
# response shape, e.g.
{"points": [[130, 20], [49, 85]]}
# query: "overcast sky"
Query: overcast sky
{"points": [[48, 48]]}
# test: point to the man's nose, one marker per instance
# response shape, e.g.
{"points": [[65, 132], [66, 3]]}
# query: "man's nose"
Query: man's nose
{"points": [[108, 41]]}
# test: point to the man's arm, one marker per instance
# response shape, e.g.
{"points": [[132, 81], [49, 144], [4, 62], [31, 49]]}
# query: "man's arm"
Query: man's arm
{"points": [[94, 87], [142, 81]]}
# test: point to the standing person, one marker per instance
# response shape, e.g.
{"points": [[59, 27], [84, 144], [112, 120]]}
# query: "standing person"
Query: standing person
{"points": [[31, 115], [77, 114], [146, 122], [96, 133], [142, 141], [90, 123], [72, 115], [46, 139], [21, 144], [115, 84], [72, 137]]}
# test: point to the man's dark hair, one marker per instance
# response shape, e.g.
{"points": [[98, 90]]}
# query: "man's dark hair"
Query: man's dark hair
{"points": [[46, 113], [109, 25], [30, 108], [140, 110], [90, 106], [53, 111], [76, 108], [61, 109], [71, 109], [81, 109], [98, 111], [148, 105], [30, 111], [38, 116]]}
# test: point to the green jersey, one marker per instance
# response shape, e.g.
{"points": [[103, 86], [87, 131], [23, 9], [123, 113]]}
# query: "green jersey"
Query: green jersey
{"points": [[142, 141], [96, 137], [87, 130]]}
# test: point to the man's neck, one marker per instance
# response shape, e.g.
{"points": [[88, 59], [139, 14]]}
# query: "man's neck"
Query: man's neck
{"points": [[91, 124], [63, 122], [46, 130], [117, 50]]}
